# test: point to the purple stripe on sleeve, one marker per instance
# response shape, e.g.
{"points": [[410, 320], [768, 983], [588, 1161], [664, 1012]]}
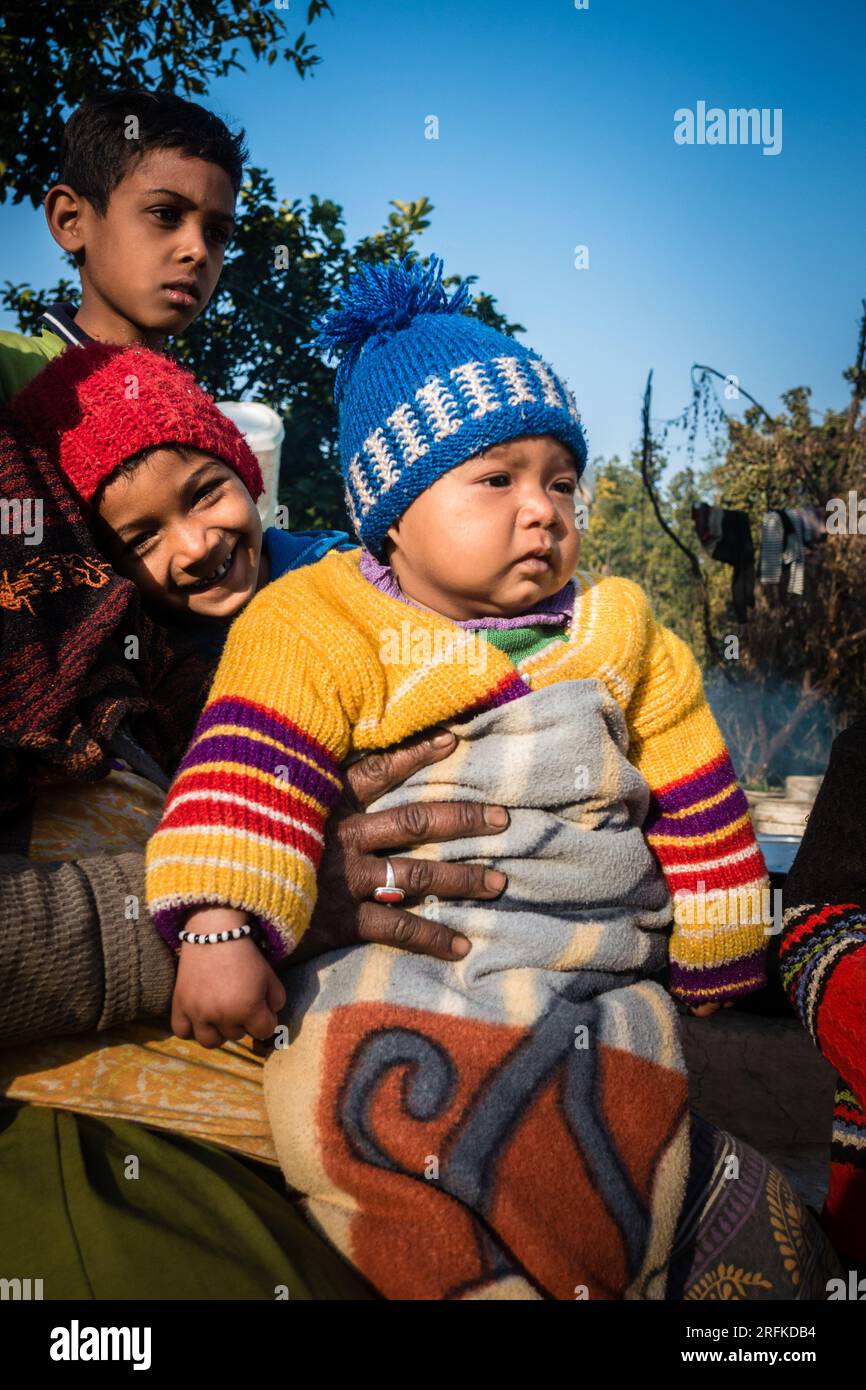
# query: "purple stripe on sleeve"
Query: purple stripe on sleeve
{"points": [[235, 748], [686, 793], [169, 923], [267, 722], [692, 983], [707, 822], [511, 689]]}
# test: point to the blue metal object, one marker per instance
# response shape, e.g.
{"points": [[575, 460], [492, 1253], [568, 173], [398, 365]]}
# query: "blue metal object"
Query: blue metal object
{"points": [[779, 851]]}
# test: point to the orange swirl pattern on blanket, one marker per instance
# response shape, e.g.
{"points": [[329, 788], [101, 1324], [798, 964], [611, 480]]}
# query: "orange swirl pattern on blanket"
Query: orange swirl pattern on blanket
{"points": [[441, 1174]]}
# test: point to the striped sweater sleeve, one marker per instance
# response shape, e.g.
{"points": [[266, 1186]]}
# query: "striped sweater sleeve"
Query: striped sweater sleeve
{"points": [[244, 819], [822, 960], [700, 829], [822, 952]]}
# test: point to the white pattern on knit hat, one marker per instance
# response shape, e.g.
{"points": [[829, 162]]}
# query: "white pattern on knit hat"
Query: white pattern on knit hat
{"points": [[442, 410], [350, 508], [572, 404], [471, 377], [376, 445], [548, 382], [359, 483], [407, 431], [516, 383]]}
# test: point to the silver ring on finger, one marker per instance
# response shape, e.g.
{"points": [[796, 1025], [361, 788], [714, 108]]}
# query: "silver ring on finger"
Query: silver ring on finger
{"points": [[389, 892]]}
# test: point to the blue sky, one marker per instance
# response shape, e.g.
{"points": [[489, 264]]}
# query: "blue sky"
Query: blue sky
{"points": [[556, 130]]}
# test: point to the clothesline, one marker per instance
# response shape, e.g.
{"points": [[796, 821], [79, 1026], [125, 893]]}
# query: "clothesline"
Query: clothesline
{"points": [[786, 534]]}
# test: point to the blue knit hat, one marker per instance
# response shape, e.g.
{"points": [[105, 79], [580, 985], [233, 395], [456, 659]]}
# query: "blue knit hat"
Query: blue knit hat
{"points": [[422, 387]]}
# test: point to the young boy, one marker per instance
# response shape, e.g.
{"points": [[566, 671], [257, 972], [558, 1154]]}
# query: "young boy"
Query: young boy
{"points": [[168, 483], [146, 205], [515, 1124]]}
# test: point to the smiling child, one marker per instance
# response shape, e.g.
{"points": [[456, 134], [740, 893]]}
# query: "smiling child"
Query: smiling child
{"points": [[168, 481]]}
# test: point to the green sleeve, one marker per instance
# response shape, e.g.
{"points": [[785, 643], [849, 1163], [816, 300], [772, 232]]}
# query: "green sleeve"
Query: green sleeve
{"points": [[22, 358]]}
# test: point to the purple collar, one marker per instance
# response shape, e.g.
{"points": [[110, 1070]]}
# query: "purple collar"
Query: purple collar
{"points": [[554, 611]]}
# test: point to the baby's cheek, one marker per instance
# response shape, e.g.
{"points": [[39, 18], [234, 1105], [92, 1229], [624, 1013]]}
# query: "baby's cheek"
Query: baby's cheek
{"points": [[571, 548]]}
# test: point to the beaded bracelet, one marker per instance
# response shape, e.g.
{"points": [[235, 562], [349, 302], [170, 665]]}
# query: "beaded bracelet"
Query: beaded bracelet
{"points": [[202, 938]]}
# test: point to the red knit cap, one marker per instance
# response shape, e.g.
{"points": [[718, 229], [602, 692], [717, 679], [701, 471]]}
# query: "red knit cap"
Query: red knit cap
{"points": [[94, 406]]}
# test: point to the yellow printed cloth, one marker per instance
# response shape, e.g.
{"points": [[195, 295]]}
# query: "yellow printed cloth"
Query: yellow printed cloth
{"points": [[141, 1072], [115, 815]]}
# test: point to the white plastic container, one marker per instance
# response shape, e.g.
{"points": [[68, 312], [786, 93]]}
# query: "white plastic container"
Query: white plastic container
{"points": [[802, 788], [781, 816], [264, 432]]}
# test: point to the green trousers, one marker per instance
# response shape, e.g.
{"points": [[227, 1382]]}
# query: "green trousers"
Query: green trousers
{"points": [[102, 1209]]}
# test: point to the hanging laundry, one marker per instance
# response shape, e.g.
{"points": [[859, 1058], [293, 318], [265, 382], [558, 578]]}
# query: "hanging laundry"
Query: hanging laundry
{"points": [[814, 524], [727, 536], [786, 534], [773, 530], [708, 524]]}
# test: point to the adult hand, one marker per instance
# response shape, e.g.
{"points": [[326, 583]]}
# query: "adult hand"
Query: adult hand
{"points": [[352, 865]]}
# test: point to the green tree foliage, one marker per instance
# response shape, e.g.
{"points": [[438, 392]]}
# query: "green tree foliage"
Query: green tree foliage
{"points": [[802, 659], [783, 683], [55, 56], [624, 538], [287, 260], [285, 266]]}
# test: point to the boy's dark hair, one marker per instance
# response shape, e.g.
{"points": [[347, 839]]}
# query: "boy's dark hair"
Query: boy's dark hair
{"points": [[97, 149]]}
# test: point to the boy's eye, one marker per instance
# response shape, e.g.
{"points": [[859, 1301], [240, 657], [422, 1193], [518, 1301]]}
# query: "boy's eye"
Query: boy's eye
{"points": [[140, 543], [497, 480], [170, 217], [207, 489], [566, 485]]}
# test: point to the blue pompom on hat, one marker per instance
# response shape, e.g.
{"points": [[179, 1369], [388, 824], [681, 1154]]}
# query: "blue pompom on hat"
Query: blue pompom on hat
{"points": [[422, 387]]}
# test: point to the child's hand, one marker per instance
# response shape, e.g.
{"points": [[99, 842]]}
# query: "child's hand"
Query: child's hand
{"points": [[705, 1010], [224, 989]]}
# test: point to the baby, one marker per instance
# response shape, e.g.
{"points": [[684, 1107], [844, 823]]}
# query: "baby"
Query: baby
{"points": [[514, 1124]]}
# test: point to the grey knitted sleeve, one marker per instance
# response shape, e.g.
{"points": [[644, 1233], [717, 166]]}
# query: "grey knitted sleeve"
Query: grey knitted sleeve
{"points": [[73, 957]]}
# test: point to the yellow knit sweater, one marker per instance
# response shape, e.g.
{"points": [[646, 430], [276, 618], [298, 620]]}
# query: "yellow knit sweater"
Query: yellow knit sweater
{"points": [[319, 666]]}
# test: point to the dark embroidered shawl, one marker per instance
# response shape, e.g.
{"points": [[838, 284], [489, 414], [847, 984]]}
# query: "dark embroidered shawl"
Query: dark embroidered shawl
{"points": [[69, 674]]}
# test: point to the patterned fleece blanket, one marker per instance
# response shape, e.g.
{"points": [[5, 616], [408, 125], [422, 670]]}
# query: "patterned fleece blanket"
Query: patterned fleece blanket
{"points": [[513, 1125]]}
